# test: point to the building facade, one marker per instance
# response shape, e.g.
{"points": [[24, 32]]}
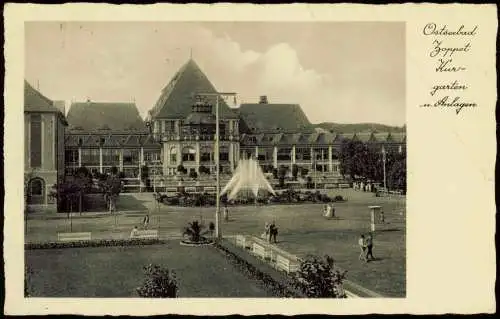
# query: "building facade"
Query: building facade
{"points": [[44, 133], [179, 134]]}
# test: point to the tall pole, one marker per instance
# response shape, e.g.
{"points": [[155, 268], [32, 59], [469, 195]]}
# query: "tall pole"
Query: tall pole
{"points": [[383, 161], [314, 168], [218, 232], [217, 165]]}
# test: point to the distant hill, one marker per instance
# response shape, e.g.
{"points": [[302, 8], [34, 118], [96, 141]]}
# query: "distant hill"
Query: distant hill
{"points": [[359, 127]]}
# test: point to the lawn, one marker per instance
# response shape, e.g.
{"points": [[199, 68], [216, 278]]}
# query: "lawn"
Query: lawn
{"points": [[117, 271], [302, 230]]}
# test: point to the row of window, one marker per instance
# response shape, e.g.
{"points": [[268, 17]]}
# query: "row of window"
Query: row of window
{"points": [[110, 156], [170, 127]]}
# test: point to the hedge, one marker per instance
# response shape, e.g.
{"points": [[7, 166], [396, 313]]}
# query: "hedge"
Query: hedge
{"points": [[277, 288], [94, 243]]}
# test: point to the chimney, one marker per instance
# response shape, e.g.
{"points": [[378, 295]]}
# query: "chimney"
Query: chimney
{"points": [[61, 106], [263, 99]]}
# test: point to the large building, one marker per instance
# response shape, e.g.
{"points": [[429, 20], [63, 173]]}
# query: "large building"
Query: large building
{"points": [[179, 132], [44, 133]]}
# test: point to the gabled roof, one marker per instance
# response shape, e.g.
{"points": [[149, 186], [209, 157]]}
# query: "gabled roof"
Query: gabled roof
{"points": [[325, 138], [34, 101], [121, 140], [105, 117], [177, 98], [274, 117]]}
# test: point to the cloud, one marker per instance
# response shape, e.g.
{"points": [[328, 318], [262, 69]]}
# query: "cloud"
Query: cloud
{"points": [[117, 62]]}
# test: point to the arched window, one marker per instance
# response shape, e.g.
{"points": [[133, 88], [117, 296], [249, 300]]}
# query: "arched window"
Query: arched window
{"points": [[36, 191]]}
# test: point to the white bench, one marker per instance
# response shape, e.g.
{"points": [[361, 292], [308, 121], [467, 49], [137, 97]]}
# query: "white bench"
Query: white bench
{"points": [[260, 251], [145, 234], [241, 241], [286, 264], [73, 236], [330, 186], [344, 185]]}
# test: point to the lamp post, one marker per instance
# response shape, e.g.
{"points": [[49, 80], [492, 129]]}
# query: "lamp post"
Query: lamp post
{"points": [[383, 162], [217, 162]]}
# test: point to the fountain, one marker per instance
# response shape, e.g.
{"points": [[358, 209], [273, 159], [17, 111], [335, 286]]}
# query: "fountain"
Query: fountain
{"points": [[248, 178]]}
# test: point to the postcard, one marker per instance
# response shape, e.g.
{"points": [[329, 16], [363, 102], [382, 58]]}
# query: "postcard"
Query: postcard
{"points": [[249, 159]]}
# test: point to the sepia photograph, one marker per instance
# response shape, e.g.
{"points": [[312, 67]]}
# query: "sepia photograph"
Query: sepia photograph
{"points": [[229, 159], [215, 159]]}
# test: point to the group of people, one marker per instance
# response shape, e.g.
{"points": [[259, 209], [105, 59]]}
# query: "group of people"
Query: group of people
{"points": [[270, 233], [366, 246]]}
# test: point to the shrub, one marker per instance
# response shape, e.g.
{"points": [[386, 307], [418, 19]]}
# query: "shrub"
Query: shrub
{"points": [[160, 282], [338, 198], [318, 278], [95, 243], [194, 231], [193, 175]]}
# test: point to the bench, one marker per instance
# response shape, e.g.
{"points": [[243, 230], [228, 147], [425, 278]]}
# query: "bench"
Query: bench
{"points": [[330, 186], [286, 264], [242, 241], [145, 234], [73, 236], [260, 251], [344, 185]]}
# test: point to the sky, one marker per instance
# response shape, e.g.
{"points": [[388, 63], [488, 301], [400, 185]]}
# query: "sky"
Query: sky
{"points": [[343, 72]]}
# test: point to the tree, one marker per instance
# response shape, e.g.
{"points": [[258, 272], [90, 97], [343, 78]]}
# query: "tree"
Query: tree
{"points": [[181, 169], [319, 278], [27, 178], [145, 176], [396, 174], [195, 231], [193, 175], [111, 187], [160, 282], [204, 170]]}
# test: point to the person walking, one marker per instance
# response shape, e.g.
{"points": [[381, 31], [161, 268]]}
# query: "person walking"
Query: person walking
{"points": [[266, 234], [369, 247], [362, 247], [273, 232], [145, 221]]}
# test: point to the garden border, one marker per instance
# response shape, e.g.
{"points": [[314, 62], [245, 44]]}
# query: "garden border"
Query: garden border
{"points": [[94, 243]]}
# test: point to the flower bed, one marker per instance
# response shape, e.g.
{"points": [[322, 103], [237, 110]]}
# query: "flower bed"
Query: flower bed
{"points": [[286, 197], [94, 243]]}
